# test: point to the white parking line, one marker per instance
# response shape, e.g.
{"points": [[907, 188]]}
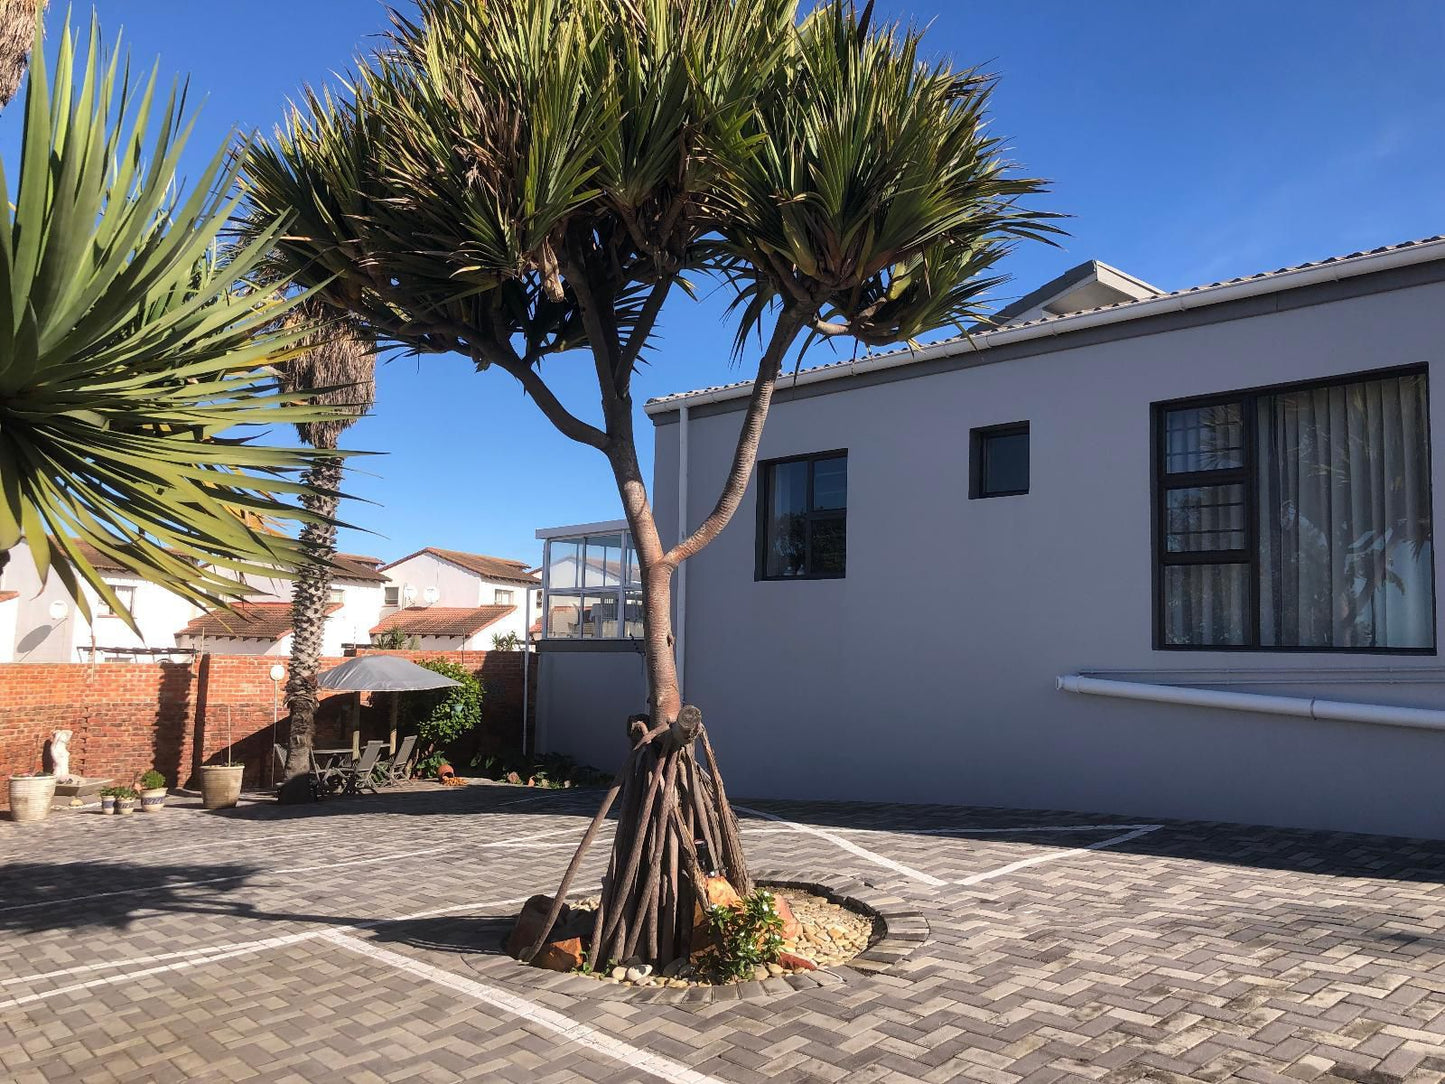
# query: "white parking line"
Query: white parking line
{"points": [[372, 860], [849, 846], [1037, 860], [220, 952], [571, 1031]]}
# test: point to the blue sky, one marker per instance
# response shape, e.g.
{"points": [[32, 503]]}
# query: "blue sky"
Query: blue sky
{"points": [[1190, 143]]}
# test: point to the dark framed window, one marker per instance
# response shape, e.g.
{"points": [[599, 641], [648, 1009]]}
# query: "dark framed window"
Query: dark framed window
{"points": [[998, 461], [1296, 518], [803, 517]]}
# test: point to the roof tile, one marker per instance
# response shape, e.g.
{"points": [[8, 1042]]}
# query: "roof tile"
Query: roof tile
{"points": [[443, 620]]}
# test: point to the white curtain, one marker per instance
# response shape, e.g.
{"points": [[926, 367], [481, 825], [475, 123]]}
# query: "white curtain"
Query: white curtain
{"points": [[1344, 516]]}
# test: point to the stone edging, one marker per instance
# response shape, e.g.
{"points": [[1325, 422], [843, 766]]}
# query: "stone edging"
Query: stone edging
{"points": [[904, 930]]}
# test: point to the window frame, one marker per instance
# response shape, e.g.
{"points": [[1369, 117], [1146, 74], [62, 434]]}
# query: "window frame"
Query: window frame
{"points": [[764, 489], [125, 595], [497, 600], [977, 441], [1160, 482], [624, 590]]}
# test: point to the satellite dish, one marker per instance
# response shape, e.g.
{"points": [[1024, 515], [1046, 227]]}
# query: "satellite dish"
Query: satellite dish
{"points": [[431, 594], [409, 594], [58, 610]]}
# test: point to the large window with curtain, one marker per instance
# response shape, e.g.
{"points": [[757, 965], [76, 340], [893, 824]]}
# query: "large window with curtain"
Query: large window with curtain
{"points": [[1296, 518]]}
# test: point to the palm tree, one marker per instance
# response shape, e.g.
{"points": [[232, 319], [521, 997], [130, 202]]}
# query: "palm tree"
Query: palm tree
{"points": [[133, 347], [17, 35], [522, 178], [335, 370]]}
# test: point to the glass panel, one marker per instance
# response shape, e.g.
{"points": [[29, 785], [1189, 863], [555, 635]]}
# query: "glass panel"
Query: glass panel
{"points": [[1346, 538], [603, 567], [632, 616], [1005, 463], [786, 527], [830, 483], [501, 597], [563, 561], [1199, 518], [599, 617], [1206, 605], [830, 546], [564, 617], [634, 567], [1204, 438]]}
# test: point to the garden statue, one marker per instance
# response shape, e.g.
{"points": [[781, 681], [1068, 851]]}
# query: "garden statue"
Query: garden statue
{"points": [[60, 755]]}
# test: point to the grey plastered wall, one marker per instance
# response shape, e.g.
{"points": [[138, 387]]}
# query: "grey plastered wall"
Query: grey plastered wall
{"points": [[585, 692], [927, 674]]}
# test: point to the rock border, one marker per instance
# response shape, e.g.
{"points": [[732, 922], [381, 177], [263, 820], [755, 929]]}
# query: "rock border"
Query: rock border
{"points": [[904, 932]]}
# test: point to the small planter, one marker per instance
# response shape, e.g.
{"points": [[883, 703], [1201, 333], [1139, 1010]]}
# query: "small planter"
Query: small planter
{"points": [[153, 801], [221, 785], [124, 806], [107, 803], [30, 797]]}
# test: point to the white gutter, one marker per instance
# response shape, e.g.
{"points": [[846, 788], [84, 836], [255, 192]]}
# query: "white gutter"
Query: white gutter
{"points": [[1303, 707], [679, 631], [1353, 267]]}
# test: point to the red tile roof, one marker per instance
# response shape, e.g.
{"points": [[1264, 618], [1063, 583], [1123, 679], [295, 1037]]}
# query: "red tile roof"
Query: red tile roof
{"points": [[353, 566], [491, 568], [249, 621], [6, 596], [443, 620]]}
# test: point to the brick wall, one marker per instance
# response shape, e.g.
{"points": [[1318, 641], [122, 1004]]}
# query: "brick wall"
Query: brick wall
{"points": [[127, 717]]}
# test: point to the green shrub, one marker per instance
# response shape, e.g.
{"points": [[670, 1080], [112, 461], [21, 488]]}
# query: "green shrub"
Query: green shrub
{"points": [[441, 716], [427, 766], [747, 936], [152, 780]]}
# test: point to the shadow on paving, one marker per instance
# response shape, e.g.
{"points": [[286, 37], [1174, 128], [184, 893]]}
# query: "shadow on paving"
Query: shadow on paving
{"points": [[40, 896], [1333, 854], [462, 934], [1336, 854]]}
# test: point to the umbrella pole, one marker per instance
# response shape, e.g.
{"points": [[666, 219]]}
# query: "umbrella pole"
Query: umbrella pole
{"points": [[395, 708]]}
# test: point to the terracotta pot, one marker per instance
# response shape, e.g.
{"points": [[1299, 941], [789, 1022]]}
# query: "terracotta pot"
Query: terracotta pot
{"points": [[221, 785], [153, 800], [30, 797], [124, 806], [107, 803]]}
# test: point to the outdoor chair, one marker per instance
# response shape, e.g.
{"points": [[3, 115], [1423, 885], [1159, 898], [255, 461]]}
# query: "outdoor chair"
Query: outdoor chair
{"points": [[398, 768], [356, 776]]}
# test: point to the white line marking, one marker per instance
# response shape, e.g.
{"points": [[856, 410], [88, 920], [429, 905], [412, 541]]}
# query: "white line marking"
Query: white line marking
{"points": [[1056, 855], [547, 1019], [165, 885], [849, 846], [225, 952]]}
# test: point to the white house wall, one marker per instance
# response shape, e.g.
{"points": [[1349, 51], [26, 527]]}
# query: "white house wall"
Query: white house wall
{"points": [[944, 691], [457, 586]]}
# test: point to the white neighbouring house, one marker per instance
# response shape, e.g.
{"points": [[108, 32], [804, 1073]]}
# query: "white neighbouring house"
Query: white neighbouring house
{"points": [[1173, 551], [261, 625], [450, 600], [40, 622]]}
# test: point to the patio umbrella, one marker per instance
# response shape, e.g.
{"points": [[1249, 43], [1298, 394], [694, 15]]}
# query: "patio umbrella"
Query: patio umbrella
{"points": [[380, 674]]}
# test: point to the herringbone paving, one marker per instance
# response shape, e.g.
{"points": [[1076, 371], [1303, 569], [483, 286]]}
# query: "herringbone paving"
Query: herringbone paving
{"points": [[356, 941]]}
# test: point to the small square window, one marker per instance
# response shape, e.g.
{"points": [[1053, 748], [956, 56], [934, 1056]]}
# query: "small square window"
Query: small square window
{"points": [[501, 597], [391, 596], [125, 594], [999, 461]]}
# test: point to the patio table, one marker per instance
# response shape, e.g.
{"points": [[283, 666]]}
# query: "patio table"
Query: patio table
{"points": [[326, 762]]}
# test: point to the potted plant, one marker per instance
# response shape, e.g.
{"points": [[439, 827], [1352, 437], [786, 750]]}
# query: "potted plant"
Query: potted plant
{"points": [[31, 794], [152, 792], [221, 785], [107, 800], [124, 800]]}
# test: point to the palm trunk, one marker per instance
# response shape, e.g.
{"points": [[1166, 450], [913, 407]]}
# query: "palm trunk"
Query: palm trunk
{"points": [[310, 598]]}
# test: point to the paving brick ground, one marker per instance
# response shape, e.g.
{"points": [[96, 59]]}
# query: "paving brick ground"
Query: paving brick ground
{"points": [[355, 941]]}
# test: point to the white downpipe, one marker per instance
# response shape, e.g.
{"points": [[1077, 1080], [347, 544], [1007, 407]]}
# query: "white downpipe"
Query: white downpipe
{"points": [[527, 649], [679, 630], [1301, 706]]}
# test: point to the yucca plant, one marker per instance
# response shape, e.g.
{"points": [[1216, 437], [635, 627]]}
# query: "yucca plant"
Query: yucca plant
{"points": [[516, 179], [134, 347]]}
